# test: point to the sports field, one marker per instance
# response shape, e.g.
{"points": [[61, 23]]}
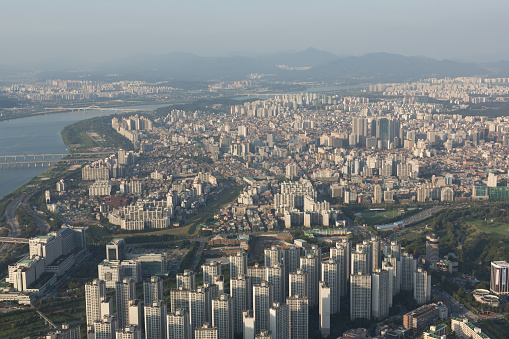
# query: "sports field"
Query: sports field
{"points": [[495, 229]]}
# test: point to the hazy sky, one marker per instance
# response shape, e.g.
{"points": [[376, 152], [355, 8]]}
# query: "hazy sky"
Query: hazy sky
{"points": [[96, 30]]}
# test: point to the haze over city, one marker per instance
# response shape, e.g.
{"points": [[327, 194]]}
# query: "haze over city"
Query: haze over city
{"points": [[95, 31]]}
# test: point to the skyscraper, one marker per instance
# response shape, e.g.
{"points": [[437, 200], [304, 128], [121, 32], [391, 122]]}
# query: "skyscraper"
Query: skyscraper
{"points": [[199, 307], [105, 328], [360, 296], [206, 332], [178, 324], [299, 283], [278, 314], [380, 294], [125, 292], [238, 264], [330, 275], [179, 298], [272, 256], [256, 274], [186, 280], [299, 316], [422, 286], [210, 271], [324, 308], [155, 320], [248, 324], [262, 299], [95, 291], [499, 282], [376, 258], [222, 316], [275, 276], [152, 290], [408, 268], [341, 253], [308, 264], [240, 291]]}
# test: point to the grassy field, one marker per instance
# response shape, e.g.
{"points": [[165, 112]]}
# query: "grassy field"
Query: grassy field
{"points": [[495, 229], [377, 218]]}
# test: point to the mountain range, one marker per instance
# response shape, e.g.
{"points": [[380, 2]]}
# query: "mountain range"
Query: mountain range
{"points": [[307, 65]]}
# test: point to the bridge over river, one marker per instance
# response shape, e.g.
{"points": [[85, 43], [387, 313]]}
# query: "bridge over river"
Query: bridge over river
{"points": [[28, 160]]}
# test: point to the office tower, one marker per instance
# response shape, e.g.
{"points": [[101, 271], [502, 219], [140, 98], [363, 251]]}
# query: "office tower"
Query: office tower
{"points": [[248, 324], [95, 291], [380, 294], [408, 267], [432, 248], [128, 332], [256, 274], [341, 253], [186, 280], [298, 308], [238, 264], [360, 261], [308, 264], [324, 308], [273, 255], [115, 249], [376, 256], [395, 264], [278, 314], [262, 299], [210, 271], [330, 275], [179, 298], [275, 276], [125, 292], [298, 283], [155, 320], [152, 290], [135, 313], [360, 296], [499, 282], [240, 291], [199, 307], [178, 325], [222, 316], [106, 328], [377, 194], [206, 332], [422, 286]]}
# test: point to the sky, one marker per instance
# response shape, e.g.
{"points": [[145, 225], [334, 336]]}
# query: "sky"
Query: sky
{"points": [[98, 30]]}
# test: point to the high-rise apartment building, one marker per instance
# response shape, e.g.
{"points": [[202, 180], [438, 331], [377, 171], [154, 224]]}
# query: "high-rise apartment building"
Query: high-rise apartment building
{"points": [[222, 316], [308, 264], [178, 325], [324, 308], [152, 290], [380, 294], [422, 286], [240, 291], [341, 253], [210, 271], [278, 314], [155, 320], [330, 275], [95, 291], [262, 299], [499, 283], [275, 276], [206, 332], [299, 283], [298, 308], [432, 248], [238, 264], [125, 292], [360, 296], [186, 280]]}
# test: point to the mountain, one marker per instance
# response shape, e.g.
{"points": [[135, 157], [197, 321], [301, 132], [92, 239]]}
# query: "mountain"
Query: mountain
{"points": [[393, 67], [310, 57]]}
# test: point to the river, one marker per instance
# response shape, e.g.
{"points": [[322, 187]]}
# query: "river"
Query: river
{"points": [[37, 135]]}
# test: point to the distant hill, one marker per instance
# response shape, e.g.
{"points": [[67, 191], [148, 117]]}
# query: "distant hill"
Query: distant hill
{"points": [[307, 65]]}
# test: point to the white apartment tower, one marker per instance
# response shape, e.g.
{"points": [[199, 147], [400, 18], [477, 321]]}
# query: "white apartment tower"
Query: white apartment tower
{"points": [[125, 292], [178, 325], [275, 276], [299, 283], [238, 264], [360, 296], [210, 271], [279, 321], [380, 294], [152, 290], [324, 294], [222, 316], [155, 320], [262, 299], [422, 286], [330, 275], [298, 314], [240, 291], [95, 291], [186, 280], [341, 253]]}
